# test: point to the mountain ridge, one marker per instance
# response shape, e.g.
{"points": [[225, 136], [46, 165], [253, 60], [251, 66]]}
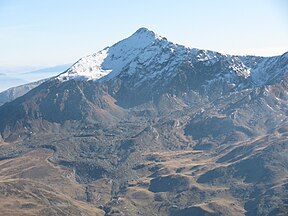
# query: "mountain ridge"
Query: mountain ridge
{"points": [[128, 55], [90, 67]]}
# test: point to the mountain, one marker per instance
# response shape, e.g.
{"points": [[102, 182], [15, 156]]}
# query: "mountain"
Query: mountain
{"points": [[146, 58], [15, 92], [149, 127], [41, 75], [53, 69], [6, 81], [44, 73]]}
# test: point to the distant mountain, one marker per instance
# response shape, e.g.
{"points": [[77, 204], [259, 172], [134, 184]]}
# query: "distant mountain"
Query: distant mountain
{"points": [[18, 87], [54, 69], [44, 73], [149, 127], [16, 69], [15, 92], [7, 81]]}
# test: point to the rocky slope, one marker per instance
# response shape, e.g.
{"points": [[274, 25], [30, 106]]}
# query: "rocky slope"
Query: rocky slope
{"points": [[149, 127]]}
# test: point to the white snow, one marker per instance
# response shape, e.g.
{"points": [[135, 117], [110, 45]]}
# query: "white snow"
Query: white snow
{"points": [[87, 68], [148, 56], [240, 69], [266, 70], [112, 60]]}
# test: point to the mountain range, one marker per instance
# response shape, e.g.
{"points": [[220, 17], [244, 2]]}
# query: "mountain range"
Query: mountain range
{"points": [[150, 127], [11, 79]]}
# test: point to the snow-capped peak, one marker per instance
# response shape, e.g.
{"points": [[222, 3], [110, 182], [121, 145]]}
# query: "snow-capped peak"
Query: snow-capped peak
{"points": [[111, 60], [144, 32], [149, 57]]}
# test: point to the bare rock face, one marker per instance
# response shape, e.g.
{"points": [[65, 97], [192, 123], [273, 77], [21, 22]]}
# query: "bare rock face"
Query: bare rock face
{"points": [[148, 127]]}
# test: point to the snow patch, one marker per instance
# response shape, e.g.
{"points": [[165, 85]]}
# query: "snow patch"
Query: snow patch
{"points": [[87, 68]]}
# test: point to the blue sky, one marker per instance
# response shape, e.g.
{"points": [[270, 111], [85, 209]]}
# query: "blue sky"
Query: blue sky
{"points": [[51, 32]]}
